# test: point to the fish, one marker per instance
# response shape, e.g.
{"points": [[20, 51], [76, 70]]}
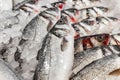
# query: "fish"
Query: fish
{"points": [[18, 4], [84, 3], [55, 58], [84, 43], [81, 59], [31, 40], [92, 26], [106, 20], [99, 68], [7, 73], [8, 19], [92, 12], [87, 42]]}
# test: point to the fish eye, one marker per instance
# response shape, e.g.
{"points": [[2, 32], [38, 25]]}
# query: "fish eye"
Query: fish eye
{"points": [[61, 21], [100, 38], [76, 28]]}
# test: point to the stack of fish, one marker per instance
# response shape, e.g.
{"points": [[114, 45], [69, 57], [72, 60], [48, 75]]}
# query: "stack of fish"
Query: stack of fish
{"points": [[58, 40]]}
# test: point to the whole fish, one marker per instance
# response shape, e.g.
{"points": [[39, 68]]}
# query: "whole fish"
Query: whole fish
{"points": [[99, 68], [55, 58], [32, 37], [91, 26], [83, 43], [7, 73], [84, 58]]}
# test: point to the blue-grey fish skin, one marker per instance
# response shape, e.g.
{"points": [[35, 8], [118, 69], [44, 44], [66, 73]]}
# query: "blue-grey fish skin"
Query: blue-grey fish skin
{"points": [[84, 58], [32, 37], [55, 58], [99, 68]]}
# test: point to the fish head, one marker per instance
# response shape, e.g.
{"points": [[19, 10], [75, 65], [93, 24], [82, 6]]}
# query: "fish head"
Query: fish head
{"points": [[94, 40], [59, 4], [62, 28], [103, 9], [104, 39], [52, 14], [72, 14], [88, 21]]}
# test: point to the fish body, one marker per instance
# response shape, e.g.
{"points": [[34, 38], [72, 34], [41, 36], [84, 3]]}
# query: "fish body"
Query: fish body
{"points": [[99, 68], [81, 59], [32, 37], [92, 12], [55, 59]]}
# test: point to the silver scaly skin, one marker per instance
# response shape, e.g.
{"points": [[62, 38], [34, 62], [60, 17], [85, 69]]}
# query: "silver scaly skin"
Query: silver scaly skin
{"points": [[55, 58], [92, 12], [81, 59], [100, 69], [31, 41]]}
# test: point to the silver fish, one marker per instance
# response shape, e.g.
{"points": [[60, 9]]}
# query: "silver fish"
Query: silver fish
{"points": [[83, 43], [55, 58], [84, 58], [32, 37], [99, 68], [91, 26], [32, 6], [92, 12]]}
